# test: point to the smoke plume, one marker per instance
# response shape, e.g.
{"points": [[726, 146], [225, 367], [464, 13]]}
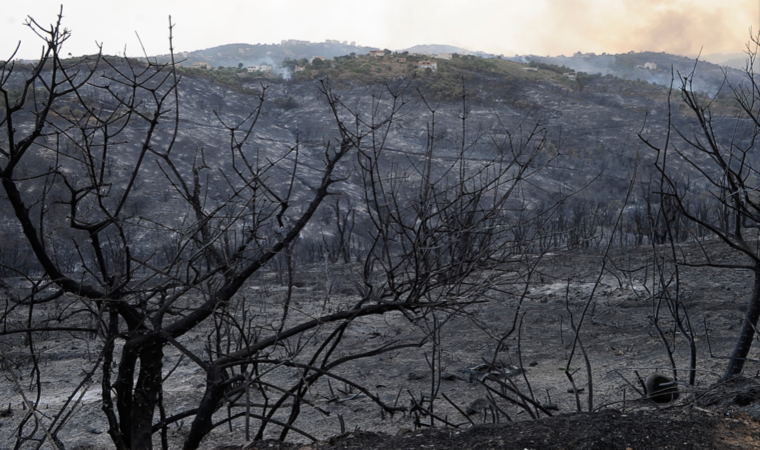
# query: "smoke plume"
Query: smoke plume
{"points": [[683, 27]]}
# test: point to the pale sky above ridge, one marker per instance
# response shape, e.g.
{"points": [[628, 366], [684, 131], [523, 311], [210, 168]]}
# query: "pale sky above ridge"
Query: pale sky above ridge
{"points": [[541, 27]]}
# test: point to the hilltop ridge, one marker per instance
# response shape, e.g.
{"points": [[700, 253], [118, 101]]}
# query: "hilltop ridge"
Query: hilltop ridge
{"points": [[650, 67]]}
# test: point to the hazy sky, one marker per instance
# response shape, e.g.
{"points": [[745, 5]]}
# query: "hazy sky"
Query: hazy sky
{"points": [[542, 27]]}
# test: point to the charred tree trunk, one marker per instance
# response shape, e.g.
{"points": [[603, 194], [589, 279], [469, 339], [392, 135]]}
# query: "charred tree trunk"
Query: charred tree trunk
{"points": [[136, 402], [747, 335], [145, 397], [114, 429], [202, 424]]}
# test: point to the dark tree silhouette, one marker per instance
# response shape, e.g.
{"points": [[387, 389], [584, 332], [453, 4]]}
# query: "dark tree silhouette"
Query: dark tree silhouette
{"points": [[147, 263], [720, 197]]}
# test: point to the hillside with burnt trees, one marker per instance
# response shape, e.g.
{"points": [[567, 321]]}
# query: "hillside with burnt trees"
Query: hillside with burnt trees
{"points": [[193, 256]]}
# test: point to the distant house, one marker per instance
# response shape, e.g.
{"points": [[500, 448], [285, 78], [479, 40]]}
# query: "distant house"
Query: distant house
{"points": [[299, 69], [648, 66], [377, 53], [202, 65], [432, 65], [401, 60], [266, 68], [446, 56]]}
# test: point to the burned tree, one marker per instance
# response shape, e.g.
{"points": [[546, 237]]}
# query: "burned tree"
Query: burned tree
{"points": [[147, 242], [708, 182]]}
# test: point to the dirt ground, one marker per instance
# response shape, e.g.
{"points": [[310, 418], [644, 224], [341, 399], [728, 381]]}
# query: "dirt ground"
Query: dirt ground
{"points": [[604, 430], [618, 336]]}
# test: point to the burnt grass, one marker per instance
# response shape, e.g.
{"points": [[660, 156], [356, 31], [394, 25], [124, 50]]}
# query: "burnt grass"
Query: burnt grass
{"points": [[618, 334]]}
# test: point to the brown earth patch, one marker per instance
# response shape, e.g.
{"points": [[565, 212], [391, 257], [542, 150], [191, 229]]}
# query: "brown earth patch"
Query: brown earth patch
{"points": [[694, 428]]}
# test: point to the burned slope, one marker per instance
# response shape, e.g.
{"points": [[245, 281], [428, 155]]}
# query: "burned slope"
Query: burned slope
{"points": [[590, 134]]}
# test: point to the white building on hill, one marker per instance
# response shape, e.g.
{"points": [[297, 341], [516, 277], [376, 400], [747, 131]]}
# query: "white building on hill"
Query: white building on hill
{"points": [[266, 68]]}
